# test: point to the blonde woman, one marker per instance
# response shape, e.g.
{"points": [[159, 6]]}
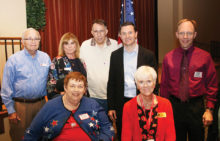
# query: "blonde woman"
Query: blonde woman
{"points": [[66, 61]]}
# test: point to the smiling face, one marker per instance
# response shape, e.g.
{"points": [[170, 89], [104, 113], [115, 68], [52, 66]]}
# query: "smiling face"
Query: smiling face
{"points": [[186, 34], [146, 84], [128, 35], [69, 47], [74, 90], [31, 41]]}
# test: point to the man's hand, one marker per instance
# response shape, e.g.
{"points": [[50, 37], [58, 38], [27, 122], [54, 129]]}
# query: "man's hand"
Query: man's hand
{"points": [[112, 115], [207, 117], [13, 118]]}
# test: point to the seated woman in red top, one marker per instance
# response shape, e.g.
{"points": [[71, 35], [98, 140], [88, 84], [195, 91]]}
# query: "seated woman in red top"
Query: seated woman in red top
{"points": [[147, 117], [71, 117]]}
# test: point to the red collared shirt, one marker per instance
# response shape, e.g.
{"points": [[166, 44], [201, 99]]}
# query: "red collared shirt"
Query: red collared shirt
{"points": [[202, 74]]}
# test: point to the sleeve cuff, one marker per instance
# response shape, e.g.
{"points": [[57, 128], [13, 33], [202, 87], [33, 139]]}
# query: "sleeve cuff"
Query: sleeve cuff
{"points": [[210, 105], [10, 110]]}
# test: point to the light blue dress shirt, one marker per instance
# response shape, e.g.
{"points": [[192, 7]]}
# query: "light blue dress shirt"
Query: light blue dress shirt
{"points": [[24, 77], [130, 67]]}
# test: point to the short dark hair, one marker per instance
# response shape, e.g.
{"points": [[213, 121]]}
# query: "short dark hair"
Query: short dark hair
{"points": [[126, 24], [99, 21], [188, 20]]}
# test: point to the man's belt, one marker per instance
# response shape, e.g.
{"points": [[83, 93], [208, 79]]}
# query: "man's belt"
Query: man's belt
{"points": [[192, 99], [17, 99]]}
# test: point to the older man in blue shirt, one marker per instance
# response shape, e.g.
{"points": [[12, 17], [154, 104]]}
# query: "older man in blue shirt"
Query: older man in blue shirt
{"points": [[24, 83]]}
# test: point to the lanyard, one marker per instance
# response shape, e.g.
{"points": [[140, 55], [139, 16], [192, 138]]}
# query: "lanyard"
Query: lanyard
{"points": [[151, 110]]}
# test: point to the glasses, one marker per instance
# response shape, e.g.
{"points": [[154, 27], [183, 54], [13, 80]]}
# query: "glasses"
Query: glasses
{"points": [[186, 33], [32, 39], [98, 31]]}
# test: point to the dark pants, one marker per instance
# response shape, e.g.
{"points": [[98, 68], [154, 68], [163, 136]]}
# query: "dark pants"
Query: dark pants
{"points": [[213, 131], [188, 118], [119, 114]]}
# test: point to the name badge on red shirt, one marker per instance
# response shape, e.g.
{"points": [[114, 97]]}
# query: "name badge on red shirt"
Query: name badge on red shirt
{"points": [[198, 74], [161, 115], [83, 116]]}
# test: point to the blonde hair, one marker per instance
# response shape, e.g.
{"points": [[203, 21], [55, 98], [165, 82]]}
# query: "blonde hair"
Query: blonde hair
{"points": [[64, 39], [145, 70]]}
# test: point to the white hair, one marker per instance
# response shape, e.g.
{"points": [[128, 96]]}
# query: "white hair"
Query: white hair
{"points": [[145, 70], [29, 29]]}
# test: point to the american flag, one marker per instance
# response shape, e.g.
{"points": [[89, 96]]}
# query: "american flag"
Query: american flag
{"points": [[127, 14]]}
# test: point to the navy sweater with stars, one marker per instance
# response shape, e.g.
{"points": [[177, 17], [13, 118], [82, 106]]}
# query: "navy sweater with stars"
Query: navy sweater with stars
{"points": [[49, 122]]}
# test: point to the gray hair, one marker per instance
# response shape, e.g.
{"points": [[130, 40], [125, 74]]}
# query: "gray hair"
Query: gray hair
{"points": [[29, 29], [145, 70]]}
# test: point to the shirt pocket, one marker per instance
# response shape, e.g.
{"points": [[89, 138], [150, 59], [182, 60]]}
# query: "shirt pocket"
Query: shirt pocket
{"points": [[196, 73], [44, 69]]}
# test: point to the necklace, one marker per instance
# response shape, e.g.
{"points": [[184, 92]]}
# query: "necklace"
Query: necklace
{"points": [[145, 104], [148, 122], [69, 105]]}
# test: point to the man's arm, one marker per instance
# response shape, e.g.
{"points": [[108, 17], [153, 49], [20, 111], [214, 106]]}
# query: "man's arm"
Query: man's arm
{"points": [[211, 84], [8, 90], [7, 87], [164, 83], [110, 90]]}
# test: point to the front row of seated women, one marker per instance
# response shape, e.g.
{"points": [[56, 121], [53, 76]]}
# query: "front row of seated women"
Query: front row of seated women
{"points": [[74, 117]]}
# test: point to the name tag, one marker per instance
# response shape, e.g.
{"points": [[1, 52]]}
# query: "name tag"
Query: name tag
{"points": [[44, 65], [150, 140], [67, 69], [198, 74], [161, 115], [83, 116]]}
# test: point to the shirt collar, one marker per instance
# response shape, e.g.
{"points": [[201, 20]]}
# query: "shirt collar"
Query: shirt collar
{"points": [[108, 42], [28, 54], [134, 50], [189, 50]]}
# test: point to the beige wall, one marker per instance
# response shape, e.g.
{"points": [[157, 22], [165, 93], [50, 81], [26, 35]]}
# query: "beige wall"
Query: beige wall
{"points": [[13, 23], [205, 12], [13, 18], [165, 27]]}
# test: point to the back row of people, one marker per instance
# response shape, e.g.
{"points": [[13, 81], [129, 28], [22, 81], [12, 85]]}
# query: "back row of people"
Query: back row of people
{"points": [[111, 82]]}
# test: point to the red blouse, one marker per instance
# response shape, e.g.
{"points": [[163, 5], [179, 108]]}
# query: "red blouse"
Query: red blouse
{"points": [[165, 124], [72, 132]]}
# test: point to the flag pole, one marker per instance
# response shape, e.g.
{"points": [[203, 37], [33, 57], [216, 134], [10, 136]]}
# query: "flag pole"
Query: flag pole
{"points": [[124, 20]]}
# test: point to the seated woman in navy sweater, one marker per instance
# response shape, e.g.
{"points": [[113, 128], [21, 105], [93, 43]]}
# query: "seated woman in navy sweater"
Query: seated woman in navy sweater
{"points": [[71, 116]]}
